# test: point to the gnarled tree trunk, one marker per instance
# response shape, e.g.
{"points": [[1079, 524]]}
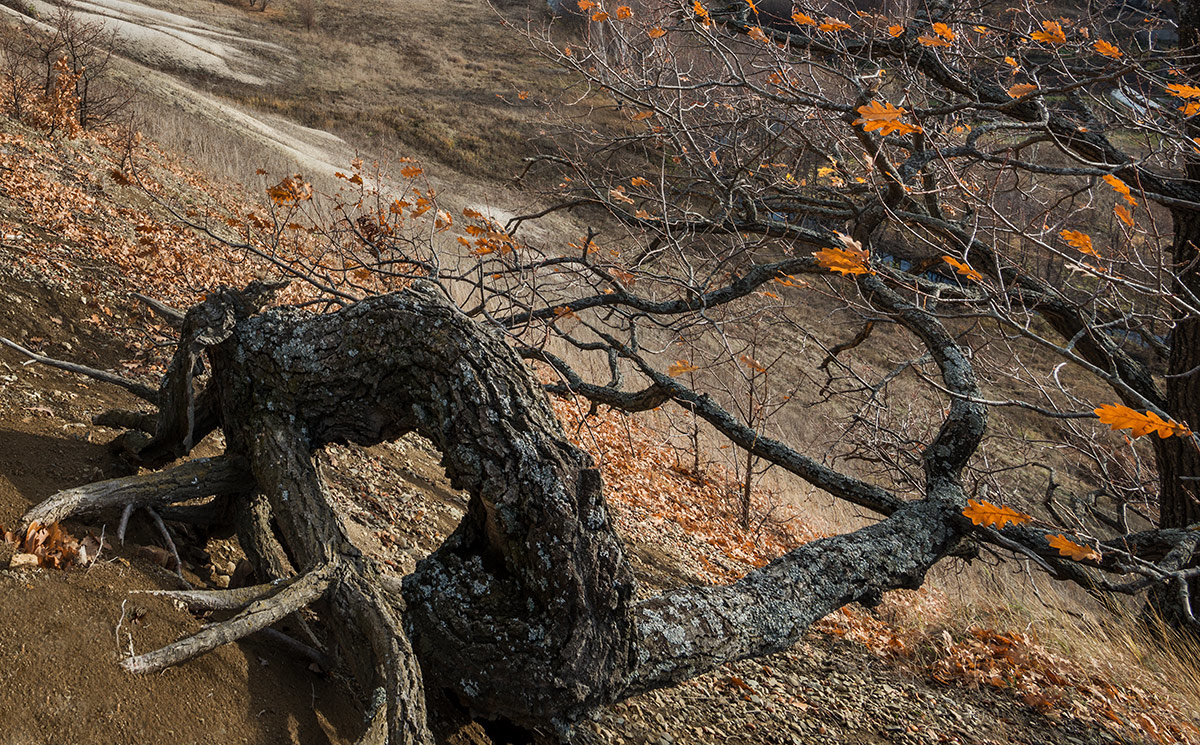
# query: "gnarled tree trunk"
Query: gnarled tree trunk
{"points": [[525, 612]]}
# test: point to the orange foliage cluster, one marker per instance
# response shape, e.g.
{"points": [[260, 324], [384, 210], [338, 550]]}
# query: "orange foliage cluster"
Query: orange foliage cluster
{"points": [[87, 215], [56, 110]]}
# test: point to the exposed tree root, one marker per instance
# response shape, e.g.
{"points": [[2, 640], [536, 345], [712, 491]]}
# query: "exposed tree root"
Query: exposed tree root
{"points": [[142, 421], [297, 647], [170, 544], [258, 615], [210, 600], [203, 477]]}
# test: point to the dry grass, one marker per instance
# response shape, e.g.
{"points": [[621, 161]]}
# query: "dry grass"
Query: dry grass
{"points": [[214, 149], [435, 81], [1116, 642]]}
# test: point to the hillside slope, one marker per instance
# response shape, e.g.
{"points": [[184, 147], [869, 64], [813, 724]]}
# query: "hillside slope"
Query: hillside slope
{"points": [[79, 239], [74, 252]]}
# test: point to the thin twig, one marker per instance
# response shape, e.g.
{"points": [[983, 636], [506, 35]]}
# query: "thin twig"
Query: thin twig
{"points": [[124, 523], [138, 389]]}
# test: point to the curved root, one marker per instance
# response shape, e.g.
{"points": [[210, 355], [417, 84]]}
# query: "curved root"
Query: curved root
{"points": [[203, 477], [257, 616]]}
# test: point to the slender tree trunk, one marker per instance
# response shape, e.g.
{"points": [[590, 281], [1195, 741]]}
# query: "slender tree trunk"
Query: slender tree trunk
{"points": [[1178, 457]]}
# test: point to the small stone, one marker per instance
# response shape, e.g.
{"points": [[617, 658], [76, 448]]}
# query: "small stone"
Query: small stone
{"points": [[22, 560], [221, 581]]}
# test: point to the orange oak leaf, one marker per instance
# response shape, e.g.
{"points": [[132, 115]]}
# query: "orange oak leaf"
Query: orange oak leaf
{"points": [[753, 364], [963, 269], [1080, 241], [942, 36], [987, 514], [623, 12], [850, 260], [1118, 416], [803, 19], [680, 367], [619, 195], [895, 30], [943, 31], [1123, 214], [833, 25], [1179, 90], [841, 260], [1120, 187], [1106, 49], [884, 117], [1051, 33], [656, 33], [1071, 549], [1021, 89]]}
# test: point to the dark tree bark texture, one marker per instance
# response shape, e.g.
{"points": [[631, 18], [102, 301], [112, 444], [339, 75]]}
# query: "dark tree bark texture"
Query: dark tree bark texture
{"points": [[1178, 458]]}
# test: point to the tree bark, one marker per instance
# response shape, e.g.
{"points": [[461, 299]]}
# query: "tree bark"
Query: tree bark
{"points": [[524, 610], [1178, 458]]}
